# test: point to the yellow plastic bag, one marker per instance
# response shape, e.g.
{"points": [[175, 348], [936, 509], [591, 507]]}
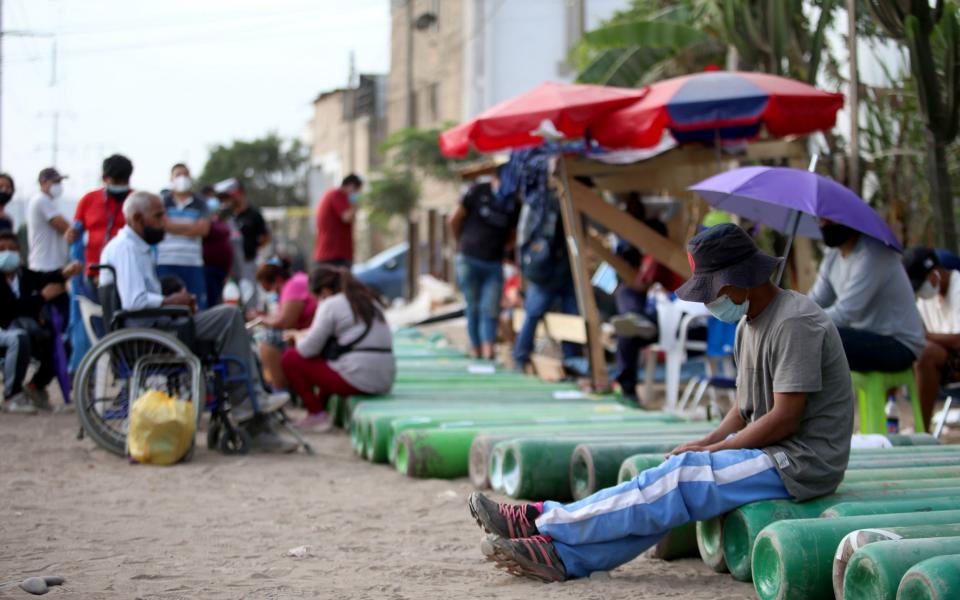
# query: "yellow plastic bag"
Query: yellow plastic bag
{"points": [[161, 429]]}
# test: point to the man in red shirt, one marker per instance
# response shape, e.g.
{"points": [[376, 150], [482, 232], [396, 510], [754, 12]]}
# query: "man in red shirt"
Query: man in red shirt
{"points": [[335, 215], [100, 211]]}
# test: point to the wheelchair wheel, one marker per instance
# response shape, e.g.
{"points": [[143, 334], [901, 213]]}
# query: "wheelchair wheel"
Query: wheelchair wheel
{"points": [[101, 389], [234, 441]]}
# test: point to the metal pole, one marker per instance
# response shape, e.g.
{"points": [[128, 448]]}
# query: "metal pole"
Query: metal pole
{"points": [[1, 83], [853, 167], [793, 226]]}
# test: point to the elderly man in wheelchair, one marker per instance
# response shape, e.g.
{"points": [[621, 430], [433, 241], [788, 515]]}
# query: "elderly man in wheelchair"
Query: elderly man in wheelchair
{"points": [[149, 323]]}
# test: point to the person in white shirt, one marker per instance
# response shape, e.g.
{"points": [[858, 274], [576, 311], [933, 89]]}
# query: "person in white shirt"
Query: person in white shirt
{"points": [[135, 277], [46, 225], [938, 301]]}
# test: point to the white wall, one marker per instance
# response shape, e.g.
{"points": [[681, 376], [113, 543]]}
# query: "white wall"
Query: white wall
{"points": [[512, 46]]}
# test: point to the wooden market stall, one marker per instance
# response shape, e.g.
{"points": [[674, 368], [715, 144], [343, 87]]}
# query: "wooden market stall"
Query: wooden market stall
{"points": [[667, 174]]}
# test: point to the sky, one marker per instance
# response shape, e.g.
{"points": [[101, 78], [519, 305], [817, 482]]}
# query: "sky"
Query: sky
{"points": [[162, 81]]}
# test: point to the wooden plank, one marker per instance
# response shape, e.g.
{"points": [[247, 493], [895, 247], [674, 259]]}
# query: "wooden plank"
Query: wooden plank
{"points": [[566, 328], [576, 245], [666, 252], [624, 270]]}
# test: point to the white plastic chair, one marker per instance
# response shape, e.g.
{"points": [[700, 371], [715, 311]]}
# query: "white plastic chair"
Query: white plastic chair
{"points": [[88, 311], [674, 319]]}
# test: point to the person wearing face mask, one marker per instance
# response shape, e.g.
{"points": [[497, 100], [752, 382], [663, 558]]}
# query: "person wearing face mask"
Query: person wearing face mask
{"points": [[46, 225], [6, 195], [100, 212], [787, 436], [938, 301], [24, 294], [138, 286], [188, 221], [217, 249], [290, 293], [335, 215], [864, 290]]}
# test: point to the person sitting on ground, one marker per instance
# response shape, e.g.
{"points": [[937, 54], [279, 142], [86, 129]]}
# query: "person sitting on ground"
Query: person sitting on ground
{"points": [[788, 436], [24, 295], [15, 344], [132, 258], [865, 291], [295, 309], [938, 300], [348, 349]]}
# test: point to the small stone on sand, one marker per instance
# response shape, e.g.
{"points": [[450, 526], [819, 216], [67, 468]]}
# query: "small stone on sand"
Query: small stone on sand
{"points": [[53, 580], [35, 585]]}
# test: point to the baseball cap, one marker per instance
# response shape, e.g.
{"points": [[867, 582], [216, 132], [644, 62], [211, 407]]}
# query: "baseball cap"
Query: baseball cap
{"points": [[50, 174], [724, 255], [919, 261]]}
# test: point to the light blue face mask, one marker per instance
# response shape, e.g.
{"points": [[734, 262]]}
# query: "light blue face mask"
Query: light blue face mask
{"points": [[213, 204], [724, 309], [354, 197], [9, 261]]}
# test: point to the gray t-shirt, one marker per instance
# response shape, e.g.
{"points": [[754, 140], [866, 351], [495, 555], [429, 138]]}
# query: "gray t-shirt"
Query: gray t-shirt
{"points": [[792, 346], [869, 290], [369, 372]]}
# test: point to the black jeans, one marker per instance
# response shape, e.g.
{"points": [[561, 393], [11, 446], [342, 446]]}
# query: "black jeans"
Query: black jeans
{"points": [[41, 348], [868, 351]]}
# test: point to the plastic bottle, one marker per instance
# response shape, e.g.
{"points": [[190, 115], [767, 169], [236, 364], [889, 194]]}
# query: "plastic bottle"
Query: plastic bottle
{"points": [[893, 414]]}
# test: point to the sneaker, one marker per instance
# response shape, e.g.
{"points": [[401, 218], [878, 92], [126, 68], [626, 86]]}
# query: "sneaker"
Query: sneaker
{"points": [[502, 519], [273, 401], [19, 404], [533, 557], [314, 422], [266, 402], [634, 325], [38, 397]]}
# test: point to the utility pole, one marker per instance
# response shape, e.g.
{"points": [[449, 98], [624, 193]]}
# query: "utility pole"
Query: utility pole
{"points": [[853, 167], [351, 98]]}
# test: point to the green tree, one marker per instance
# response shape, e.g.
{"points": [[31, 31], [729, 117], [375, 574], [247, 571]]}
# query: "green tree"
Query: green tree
{"points": [[408, 151], [932, 35], [273, 170], [656, 39]]}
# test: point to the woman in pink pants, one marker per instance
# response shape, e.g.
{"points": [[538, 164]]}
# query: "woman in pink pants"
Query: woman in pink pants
{"points": [[347, 350]]}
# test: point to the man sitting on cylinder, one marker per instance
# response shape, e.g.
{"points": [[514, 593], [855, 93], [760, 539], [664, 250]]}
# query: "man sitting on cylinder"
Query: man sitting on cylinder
{"points": [[788, 436]]}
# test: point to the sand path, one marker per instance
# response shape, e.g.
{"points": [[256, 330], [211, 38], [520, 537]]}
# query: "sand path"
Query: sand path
{"points": [[221, 527]]}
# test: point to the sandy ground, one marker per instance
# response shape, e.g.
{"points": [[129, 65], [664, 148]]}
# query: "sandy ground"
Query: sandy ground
{"points": [[221, 527]]}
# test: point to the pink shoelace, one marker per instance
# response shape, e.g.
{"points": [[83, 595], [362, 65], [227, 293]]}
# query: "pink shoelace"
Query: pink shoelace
{"points": [[537, 542], [515, 513]]}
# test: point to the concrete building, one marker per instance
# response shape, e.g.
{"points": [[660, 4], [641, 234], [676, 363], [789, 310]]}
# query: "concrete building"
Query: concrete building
{"points": [[347, 127], [452, 59]]}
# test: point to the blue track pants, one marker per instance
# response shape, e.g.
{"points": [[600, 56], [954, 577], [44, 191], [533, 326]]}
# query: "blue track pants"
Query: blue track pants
{"points": [[615, 525]]}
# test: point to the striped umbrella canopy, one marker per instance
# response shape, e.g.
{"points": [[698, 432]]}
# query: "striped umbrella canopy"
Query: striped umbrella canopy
{"points": [[729, 105]]}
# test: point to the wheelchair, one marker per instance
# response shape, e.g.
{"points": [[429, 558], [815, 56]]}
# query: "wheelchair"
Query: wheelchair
{"points": [[131, 359]]}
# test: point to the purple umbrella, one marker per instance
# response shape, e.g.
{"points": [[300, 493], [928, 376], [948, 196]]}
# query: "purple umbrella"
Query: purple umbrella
{"points": [[777, 196]]}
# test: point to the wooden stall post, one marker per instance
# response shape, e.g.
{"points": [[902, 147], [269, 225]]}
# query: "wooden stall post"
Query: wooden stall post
{"points": [[413, 256], [576, 246], [432, 242], [446, 250]]}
